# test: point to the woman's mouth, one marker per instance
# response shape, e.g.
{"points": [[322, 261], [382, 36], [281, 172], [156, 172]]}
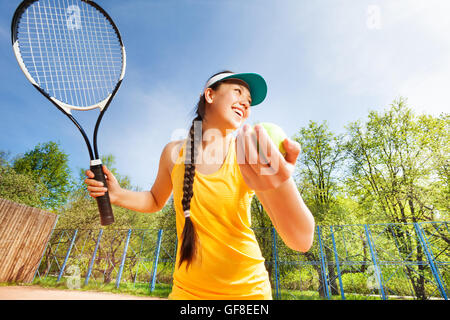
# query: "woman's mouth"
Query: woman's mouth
{"points": [[238, 112]]}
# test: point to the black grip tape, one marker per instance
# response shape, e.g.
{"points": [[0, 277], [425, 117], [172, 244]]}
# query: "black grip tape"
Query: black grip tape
{"points": [[104, 205]]}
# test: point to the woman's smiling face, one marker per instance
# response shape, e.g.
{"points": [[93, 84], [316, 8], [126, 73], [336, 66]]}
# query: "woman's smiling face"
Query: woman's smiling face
{"points": [[229, 103]]}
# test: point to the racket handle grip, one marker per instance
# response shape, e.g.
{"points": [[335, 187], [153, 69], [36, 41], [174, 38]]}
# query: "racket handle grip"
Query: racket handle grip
{"points": [[103, 202]]}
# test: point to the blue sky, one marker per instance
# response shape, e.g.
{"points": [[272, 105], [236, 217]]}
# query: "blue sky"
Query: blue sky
{"points": [[322, 60]]}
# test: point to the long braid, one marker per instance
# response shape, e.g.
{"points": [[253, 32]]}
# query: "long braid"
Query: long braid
{"points": [[189, 236], [189, 244]]}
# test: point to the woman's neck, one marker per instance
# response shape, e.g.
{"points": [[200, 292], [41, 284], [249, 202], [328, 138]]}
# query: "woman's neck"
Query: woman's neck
{"points": [[215, 137], [214, 149]]}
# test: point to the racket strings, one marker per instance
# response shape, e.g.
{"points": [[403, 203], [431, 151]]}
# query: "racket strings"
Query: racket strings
{"points": [[71, 50]]}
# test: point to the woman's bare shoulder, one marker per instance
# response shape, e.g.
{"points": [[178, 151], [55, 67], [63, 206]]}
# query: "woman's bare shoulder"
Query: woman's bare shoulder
{"points": [[171, 152]]}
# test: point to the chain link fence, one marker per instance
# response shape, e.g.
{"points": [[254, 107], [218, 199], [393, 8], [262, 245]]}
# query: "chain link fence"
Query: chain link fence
{"points": [[377, 261]]}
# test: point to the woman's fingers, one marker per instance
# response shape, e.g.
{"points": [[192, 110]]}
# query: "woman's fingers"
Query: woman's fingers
{"points": [[96, 194], [96, 191], [293, 149], [95, 188], [108, 174], [93, 182], [270, 155], [264, 144], [251, 155], [90, 174], [90, 181], [248, 143]]}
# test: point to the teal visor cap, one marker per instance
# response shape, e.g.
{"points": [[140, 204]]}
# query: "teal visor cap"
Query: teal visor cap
{"points": [[256, 83]]}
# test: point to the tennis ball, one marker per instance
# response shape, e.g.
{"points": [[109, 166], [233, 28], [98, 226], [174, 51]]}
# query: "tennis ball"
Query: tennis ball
{"points": [[276, 134]]}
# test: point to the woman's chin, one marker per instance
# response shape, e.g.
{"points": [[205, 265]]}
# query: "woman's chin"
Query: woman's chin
{"points": [[237, 123]]}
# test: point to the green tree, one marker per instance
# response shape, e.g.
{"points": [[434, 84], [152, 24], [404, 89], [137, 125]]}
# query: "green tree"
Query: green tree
{"points": [[319, 170], [263, 228], [21, 188], [395, 160], [397, 171], [166, 218], [47, 164], [4, 155], [81, 210], [438, 147]]}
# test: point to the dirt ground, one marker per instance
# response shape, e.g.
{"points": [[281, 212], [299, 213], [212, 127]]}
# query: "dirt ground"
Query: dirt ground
{"points": [[38, 293]]}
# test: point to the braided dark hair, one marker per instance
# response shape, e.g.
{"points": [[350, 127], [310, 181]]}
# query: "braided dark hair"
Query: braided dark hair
{"points": [[189, 244]]}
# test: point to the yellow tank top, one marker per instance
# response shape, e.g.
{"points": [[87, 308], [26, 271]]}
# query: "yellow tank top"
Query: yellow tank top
{"points": [[229, 264]]}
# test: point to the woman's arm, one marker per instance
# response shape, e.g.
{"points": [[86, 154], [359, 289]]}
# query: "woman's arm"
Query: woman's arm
{"points": [[144, 201], [137, 201], [275, 187], [289, 214]]}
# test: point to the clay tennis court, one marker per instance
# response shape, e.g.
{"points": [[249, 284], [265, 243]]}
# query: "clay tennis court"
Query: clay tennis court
{"points": [[38, 293]]}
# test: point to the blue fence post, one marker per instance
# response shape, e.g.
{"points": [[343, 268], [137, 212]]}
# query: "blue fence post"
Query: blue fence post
{"points": [[53, 255], [124, 256], [323, 265], [67, 256], [375, 261], [336, 257], [275, 259], [94, 255], [139, 258], [155, 262], [430, 259]]}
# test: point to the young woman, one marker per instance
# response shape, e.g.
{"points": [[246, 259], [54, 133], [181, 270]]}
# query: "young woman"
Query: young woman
{"points": [[213, 176]]}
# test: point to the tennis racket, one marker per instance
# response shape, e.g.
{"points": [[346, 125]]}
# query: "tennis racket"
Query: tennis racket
{"points": [[72, 53]]}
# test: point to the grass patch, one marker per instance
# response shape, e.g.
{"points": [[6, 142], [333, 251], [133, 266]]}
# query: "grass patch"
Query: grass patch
{"points": [[161, 290], [314, 295]]}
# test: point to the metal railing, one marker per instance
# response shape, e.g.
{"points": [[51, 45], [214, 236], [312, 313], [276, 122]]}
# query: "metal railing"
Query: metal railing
{"points": [[376, 261]]}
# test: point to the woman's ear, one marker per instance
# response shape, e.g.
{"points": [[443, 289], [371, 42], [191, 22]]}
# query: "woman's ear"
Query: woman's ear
{"points": [[209, 95]]}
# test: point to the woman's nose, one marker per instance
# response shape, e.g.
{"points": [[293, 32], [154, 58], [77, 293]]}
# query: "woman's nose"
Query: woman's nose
{"points": [[245, 104], [246, 107]]}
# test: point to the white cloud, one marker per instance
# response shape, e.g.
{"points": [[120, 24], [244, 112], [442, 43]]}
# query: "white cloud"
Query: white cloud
{"points": [[407, 54], [427, 86], [428, 93]]}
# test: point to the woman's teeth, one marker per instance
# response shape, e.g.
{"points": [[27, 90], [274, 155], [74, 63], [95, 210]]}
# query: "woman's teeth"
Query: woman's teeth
{"points": [[239, 112]]}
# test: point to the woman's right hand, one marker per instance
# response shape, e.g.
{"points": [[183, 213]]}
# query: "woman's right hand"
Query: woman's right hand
{"points": [[97, 189]]}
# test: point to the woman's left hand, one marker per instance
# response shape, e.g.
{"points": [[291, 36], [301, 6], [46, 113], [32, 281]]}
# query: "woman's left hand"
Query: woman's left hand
{"points": [[259, 174]]}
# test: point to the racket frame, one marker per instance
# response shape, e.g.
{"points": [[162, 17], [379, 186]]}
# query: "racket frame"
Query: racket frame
{"points": [[103, 105], [62, 106]]}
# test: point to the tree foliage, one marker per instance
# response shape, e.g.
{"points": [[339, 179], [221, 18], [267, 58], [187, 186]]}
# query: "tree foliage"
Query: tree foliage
{"points": [[18, 187], [319, 169], [47, 164], [81, 210], [21, 188], [392, 166], [398, 165]]}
